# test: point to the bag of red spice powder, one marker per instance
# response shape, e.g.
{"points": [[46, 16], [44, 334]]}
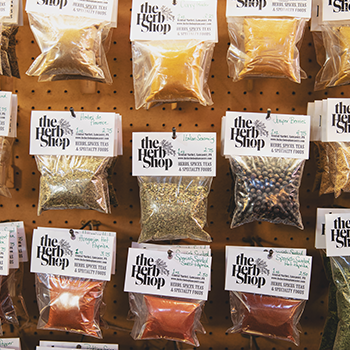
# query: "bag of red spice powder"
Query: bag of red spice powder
{"points": [[265, 315], [159, 317]]}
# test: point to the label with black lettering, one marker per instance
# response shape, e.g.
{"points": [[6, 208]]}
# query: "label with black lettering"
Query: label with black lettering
{"points": [[335, 10], [5, 8], [174, 154], [167, 273], [268, 8], [268, 272], [81, 133], [262, 134], [68, 254], [10, 343], [76, 345], [337, 232], [174, 20], [4, 252]]}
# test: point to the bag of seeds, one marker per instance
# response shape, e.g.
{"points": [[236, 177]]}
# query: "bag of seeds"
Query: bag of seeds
{"points": [[75, 177], [72, 46], [172, 51], [265, 41], [9, 63], [173, 197], [5, 163], [266, 186]]}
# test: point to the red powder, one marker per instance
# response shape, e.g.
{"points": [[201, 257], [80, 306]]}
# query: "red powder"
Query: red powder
{"points": [[170, 319]]}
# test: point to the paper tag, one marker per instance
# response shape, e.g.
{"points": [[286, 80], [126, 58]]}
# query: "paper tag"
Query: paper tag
{"points": [[96, 9], [255, 134], [21, 239], [10, 343], [4, 253], [5, 8], [320, 231], [5, 112], [118, 145], [183, 249], [169, 20], [14, 256], [83, 255], [338, 233], [59, 133], [13, 117], [13, 17], [268, 8], [336, 10], [91, 232], [174, 275], [316, 16], [275, 274], [189, 154], [73, 345]]}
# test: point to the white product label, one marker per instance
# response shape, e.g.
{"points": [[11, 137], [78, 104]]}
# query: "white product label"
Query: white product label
{"points": [[337, 119], [73, 345], [13, 117], [10, 343], [62, 253], [316, 16], [320, 231], [13, 17], [60, 133], [91, 232], [5, 8], [174, 20], [268, 8], [335, 10], [5, 112], [338, 234], [189, 154], [268, 273], [4, 253], [21, 237], [170, 274], [183, 249], [291, 251], [14, 257], [255, 134], [96, 9], [118, 145], [316, 122]]}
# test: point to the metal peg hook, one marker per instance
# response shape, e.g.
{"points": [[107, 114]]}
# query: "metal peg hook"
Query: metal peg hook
{"points": [[170, 254], [72, 112], [174, 2], [174, 133], [72, 235], [268, 115], [269, 256]]}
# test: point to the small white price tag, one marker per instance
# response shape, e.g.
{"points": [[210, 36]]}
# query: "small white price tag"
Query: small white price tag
{"points": [[5, 112], [4, 253], [75, 345], [21, 237]]}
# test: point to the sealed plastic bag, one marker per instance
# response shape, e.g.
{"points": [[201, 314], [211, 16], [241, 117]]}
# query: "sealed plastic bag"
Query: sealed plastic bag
{"points": [[69, 304], [72, 48], [265, 315], [9, 63], [159, 317], [173, 207], [5, 162], [171, 71], [265, 47], [73, 182], [266, 189]]}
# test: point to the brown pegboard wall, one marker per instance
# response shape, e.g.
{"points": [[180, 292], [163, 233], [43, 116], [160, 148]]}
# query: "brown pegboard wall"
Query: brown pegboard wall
{"points": [[280, 95]]}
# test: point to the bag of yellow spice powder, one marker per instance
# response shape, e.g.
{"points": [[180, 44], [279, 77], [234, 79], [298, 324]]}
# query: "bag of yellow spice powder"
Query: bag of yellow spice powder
{"points": [[264, 40], [172, 48]]}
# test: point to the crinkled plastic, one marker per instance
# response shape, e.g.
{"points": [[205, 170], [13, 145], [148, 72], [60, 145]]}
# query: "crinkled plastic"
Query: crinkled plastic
{"points": [[69, 304], [265, 47], [173, 207], [265, 315], [336, 68], [5, 162], [74, 182], [266, 189], [71, 48], [171, 71], [160, 317], [9, 63], [319, 47], [7, 309]]}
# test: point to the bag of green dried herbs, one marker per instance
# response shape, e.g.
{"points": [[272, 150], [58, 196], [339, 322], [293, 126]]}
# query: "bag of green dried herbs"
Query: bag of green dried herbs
{"points": [[173, 196]]}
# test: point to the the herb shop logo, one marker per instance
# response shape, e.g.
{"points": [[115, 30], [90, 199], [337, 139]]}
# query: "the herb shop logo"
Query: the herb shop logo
{"points": [[340, 233], [52, 252], [153, 19], [155, 154], [247, 134], [248, 271], [260, 4], [147, 272], [339, 5], [55, 3], [341, 118], [53, 133]]}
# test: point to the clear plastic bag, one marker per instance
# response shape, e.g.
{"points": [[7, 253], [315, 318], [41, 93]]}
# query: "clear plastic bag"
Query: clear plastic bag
{"points": [[5, 162], [72, 48], [69, 304], [173, 207], [171, 71], [265, 47], [7, 309], [74, 182], [266, 189], [9, 64], [336, 68], [265, 315], [159, 317]]}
